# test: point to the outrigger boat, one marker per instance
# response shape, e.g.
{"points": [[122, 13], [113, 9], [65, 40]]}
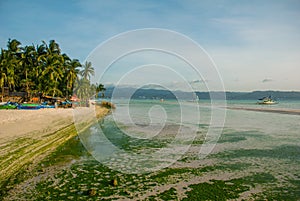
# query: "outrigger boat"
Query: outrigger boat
{"points": [[9, 105], [29, 106], [266, 101], [34, 106]]}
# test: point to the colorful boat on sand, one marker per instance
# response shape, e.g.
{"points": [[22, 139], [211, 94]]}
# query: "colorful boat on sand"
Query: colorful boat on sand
{"points": [[34, 106], [44, 106], [9, 105], [29, 106]]}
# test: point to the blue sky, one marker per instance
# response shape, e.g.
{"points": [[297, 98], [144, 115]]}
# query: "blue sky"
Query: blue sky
{"points": [[255, 44]]}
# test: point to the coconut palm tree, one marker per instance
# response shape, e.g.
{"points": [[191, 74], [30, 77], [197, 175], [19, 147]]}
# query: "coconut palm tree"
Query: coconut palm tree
{"points": [[14, 46], [3, 77], [27, 61], [71, 74], [11, 67], [53, 74], [53, 47], [40, 68], [87, 70], [12, 62], [82, 89]]}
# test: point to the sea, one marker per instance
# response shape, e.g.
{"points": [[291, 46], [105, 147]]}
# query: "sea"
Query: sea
{"points": [[175, 150], [144, 136]]}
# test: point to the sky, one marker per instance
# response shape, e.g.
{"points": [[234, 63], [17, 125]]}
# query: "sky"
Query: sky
{"points": [[255, 45]]}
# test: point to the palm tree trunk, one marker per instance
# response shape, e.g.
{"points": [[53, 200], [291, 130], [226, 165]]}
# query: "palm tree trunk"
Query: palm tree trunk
{"points": [[54, 87], [2, 92]]}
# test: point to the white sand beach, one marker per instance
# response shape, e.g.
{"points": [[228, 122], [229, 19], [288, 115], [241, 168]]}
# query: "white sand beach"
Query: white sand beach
{"points": [[27, 136], [18, 123]]}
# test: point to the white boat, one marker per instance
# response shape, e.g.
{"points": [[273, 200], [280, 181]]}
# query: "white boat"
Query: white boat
{"points": [[266, 101]]}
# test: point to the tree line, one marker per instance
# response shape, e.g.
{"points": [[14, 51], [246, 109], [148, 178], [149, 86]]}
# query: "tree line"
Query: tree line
{"points": [[44, 69]]}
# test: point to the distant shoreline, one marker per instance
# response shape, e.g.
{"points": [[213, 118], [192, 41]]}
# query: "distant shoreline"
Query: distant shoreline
{"points": [[271, 110]]}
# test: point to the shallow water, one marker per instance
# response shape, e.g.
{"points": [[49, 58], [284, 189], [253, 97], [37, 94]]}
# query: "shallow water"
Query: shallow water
{"points": [[154, 150]]}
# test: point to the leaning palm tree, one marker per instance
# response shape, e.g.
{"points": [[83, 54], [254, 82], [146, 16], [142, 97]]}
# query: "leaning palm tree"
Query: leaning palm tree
{"points": [[71, 74], [87, 71]]}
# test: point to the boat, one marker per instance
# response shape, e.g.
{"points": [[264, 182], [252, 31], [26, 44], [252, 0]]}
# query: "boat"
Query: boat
{"points": [[3, 103], [29, 106], [266, 101], [9, 105], [45, 106]]}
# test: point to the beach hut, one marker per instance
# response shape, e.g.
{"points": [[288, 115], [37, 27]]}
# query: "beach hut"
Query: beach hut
{"points": [[74, 98]]}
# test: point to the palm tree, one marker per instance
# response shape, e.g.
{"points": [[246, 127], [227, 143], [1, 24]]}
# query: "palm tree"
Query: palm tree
{"points": [[87, 70], [53, 74], [3, 77], [41, 68], [11, 66], [12, 62], [28, 57], [71, 74], [53, 47], [82, 89], [13, 46]]}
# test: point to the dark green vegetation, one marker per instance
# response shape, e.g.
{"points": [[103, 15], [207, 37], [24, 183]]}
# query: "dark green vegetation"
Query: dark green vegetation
{"points": [[71, 173], [286, 152], [87, 179], [23, 156], [120, 139], [234, 136], [291, 192], [87, 175], [170, 194], [44, 69], [215, 190], [229, 189]]}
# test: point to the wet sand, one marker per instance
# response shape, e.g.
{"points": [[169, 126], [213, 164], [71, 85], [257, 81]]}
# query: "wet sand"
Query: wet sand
{"points": [[272, 110]]}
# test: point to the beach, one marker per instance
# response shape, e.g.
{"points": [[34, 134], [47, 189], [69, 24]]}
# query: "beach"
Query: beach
{"points": [[20, 123], [27, 136], [35, 123]]}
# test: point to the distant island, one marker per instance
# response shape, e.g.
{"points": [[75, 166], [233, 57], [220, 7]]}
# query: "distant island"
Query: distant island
{"points": [[165, 94]]}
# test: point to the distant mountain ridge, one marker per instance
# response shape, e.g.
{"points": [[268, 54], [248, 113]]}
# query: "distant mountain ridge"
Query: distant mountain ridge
{"points": [[165, 94]]}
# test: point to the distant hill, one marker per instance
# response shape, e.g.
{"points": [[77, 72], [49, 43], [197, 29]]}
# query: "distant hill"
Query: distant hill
{"points": [[277, 95], [164, 94]]}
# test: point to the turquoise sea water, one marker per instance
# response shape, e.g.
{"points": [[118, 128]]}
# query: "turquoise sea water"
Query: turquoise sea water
{"points": [[260, 146], [181, 125]]}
